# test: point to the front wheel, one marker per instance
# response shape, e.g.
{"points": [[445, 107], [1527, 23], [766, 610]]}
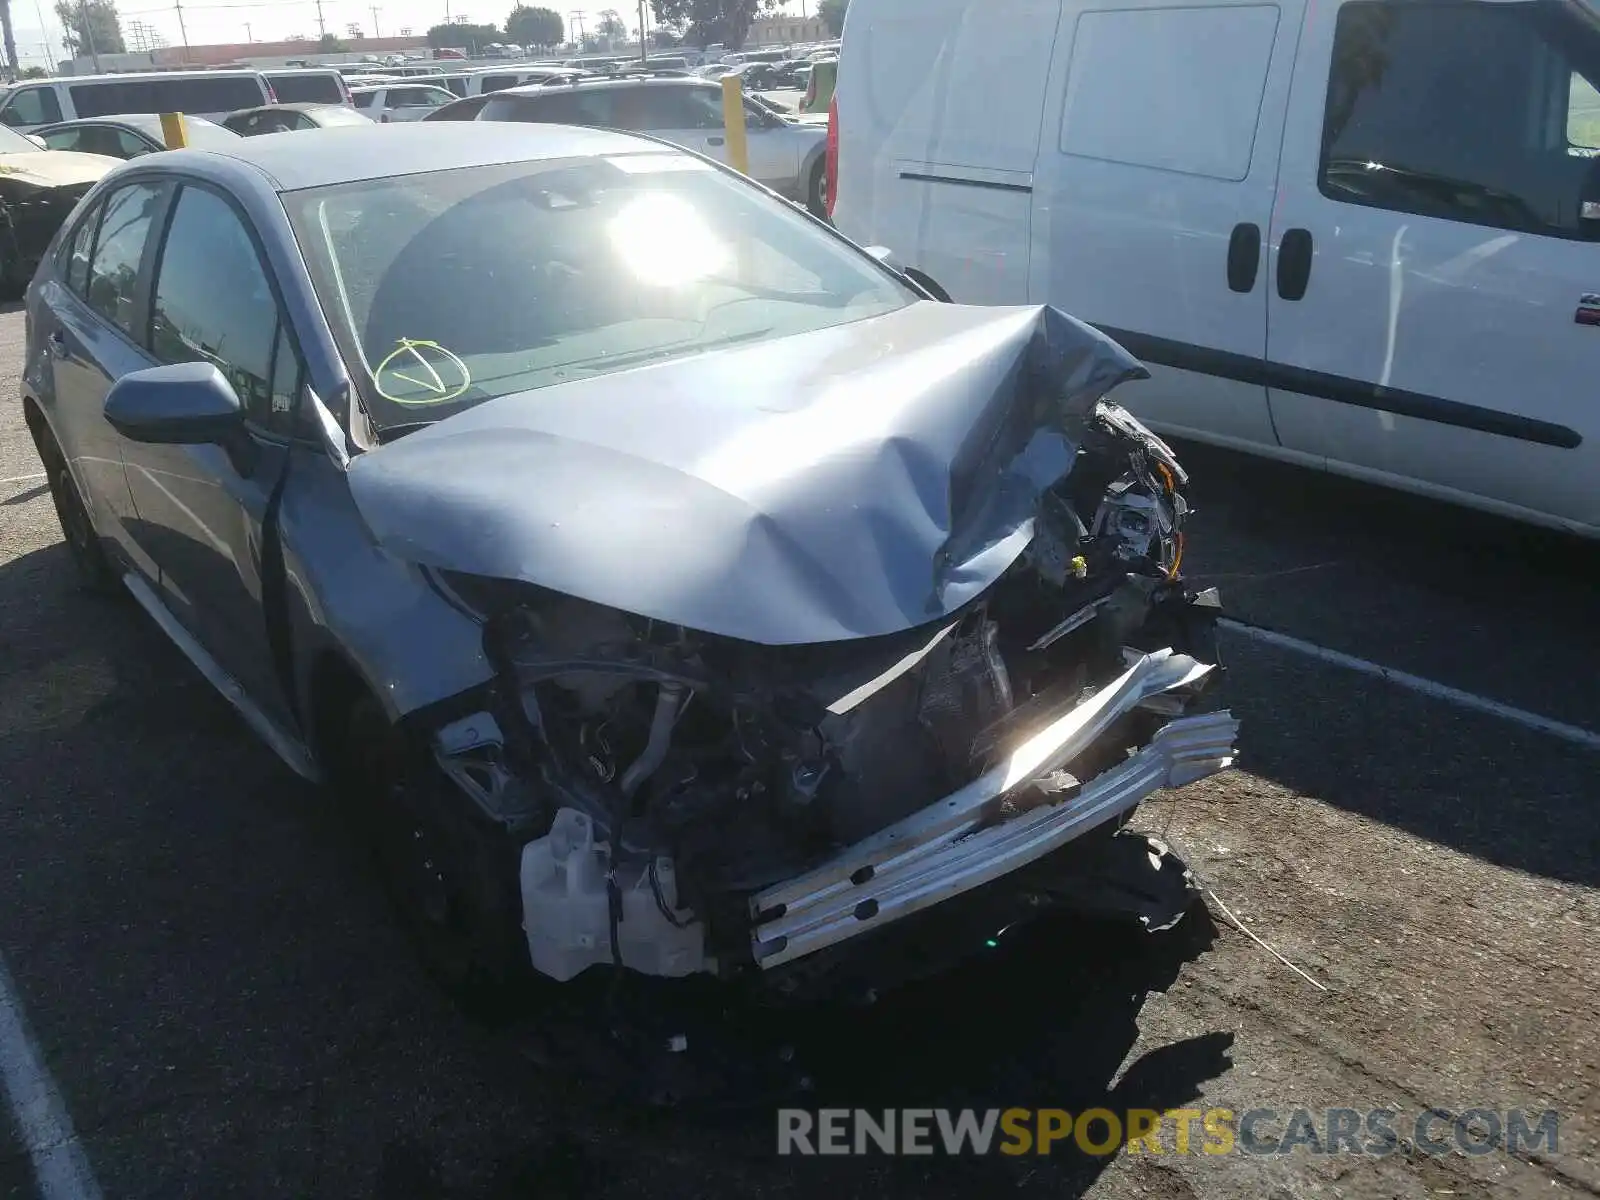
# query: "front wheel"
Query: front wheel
{"points": [[450, 873]]}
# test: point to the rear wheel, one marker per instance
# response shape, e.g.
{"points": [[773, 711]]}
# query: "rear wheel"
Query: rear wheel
{"points": [[94, 570], [450, 873]]}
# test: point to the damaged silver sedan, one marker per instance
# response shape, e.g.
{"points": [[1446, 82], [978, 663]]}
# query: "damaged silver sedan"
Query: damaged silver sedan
{"points": [[667, 583]]}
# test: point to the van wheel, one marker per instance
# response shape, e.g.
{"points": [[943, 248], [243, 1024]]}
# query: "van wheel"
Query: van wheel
{"points": [[94, 570], [452, 879], [817, 190]]}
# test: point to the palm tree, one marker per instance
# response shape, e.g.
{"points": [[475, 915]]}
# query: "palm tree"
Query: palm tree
{"points": [[10, 38]]}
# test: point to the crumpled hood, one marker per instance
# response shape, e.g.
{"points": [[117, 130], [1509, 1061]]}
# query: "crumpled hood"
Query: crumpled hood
{"points": [[848, 483], [55, 168]]}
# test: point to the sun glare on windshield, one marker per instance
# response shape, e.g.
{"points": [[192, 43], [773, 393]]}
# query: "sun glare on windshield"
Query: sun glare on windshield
{"points": [[665, 242]]}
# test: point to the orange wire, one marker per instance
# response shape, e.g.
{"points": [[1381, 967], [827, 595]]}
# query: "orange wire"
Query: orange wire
{"points": [[1177, 560]]}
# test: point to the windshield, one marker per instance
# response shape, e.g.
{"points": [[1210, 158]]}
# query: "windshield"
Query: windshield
{"points": [[451, 288]]}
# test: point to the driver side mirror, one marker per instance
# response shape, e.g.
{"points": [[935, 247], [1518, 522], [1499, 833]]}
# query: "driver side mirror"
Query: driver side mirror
{"points": [[37, 141], [885, 257], [185, 404]]}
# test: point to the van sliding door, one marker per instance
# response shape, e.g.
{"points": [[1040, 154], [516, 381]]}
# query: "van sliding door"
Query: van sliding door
{"points": [[1153, 195]]}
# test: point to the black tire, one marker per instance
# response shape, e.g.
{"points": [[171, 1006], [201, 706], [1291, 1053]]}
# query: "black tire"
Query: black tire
{"points": [[451, 875], [817, 190], [94, 569]]}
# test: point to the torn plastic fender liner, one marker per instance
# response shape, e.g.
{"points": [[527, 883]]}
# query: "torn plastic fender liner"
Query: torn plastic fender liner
{"points": [[951, 847], [847, 483]]}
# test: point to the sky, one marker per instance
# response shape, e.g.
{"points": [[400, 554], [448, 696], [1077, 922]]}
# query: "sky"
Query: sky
{"points": [[39, 33]]}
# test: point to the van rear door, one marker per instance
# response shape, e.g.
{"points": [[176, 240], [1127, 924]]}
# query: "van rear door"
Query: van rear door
{"points": [[1153, 196], [939, 115], [1435, 313]]}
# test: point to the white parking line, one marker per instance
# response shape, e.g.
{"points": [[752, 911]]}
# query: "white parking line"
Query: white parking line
{"points": [[60, 1166], [1427, 687], [24, 478]]}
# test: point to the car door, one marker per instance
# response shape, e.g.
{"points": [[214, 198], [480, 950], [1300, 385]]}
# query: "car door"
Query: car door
{"points": [[1153, 193], [1435, 315], [201, 506], [90, 320]]}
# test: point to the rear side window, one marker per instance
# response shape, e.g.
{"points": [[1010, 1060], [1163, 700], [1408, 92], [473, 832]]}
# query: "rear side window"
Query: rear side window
{"points": [[221, 94], [577, 107], [1175, 89], [497, 83], [78, 250], [192, 320], [113, 285], [1479, 113], [647, 108], [32, 106], [366, 99], [311, 88]]}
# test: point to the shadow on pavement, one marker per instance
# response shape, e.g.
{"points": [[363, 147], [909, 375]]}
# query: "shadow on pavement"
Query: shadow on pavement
{"points": [[1046, 1020]]}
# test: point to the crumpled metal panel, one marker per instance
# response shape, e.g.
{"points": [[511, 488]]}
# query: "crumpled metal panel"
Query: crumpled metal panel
{"points": [[848, 483]]}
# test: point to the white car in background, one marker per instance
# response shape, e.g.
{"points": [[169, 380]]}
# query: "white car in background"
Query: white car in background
{"points": [[786, 155], [400, 101]]}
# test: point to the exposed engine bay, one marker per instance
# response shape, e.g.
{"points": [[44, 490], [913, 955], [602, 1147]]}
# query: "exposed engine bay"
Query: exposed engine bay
{"points": [[686, 803]]}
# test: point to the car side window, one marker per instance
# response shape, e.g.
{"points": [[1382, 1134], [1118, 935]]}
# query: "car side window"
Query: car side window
{"points": [[112, 289], [63, 139], [130, 145], [78, 250], [237, 326], [32, 106], [1465, 112]]}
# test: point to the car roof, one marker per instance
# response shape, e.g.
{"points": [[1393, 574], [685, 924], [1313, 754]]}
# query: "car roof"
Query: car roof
{"points": [[351, 153], [125, 76], [544, 89], [305, 106]]}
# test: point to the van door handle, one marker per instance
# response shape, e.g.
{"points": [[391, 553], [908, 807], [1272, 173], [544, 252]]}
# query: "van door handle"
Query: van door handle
{"points": [[1294, 264], [715, 141], [1244, 257], [58, 345]]}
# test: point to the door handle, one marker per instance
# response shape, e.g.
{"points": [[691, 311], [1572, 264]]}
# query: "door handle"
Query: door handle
{"points": [[1294, 264], [715, 141], [1244, 257], [58, 345]]}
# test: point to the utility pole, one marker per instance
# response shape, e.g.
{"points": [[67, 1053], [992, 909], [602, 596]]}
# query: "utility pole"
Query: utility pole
{"points": [[322, 24], [644, 39], [183, 30], [88, 34], [376, 32], [249, 32]]}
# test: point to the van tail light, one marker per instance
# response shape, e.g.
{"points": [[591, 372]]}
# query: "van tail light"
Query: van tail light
{"points": [[811, 93], [344, 90], [272, 95], [833, 153]]}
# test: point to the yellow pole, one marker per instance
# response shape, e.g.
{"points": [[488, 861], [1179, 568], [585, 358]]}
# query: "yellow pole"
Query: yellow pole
{"points": [[733, 123], [174, 131]]}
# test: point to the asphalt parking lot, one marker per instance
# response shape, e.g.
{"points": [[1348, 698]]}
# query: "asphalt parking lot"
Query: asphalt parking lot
{"points": [[215, 985]]}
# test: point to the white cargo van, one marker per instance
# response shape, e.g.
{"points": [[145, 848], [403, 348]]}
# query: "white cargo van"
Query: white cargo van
{"points": [[209, 94], [1361, 234]]}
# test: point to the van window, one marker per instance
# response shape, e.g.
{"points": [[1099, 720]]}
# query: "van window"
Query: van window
{"points": [[1583, 114], [315, 87], [1465, 112], [1175, 89], [220, 94], [496, 83], [32, 106]]}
